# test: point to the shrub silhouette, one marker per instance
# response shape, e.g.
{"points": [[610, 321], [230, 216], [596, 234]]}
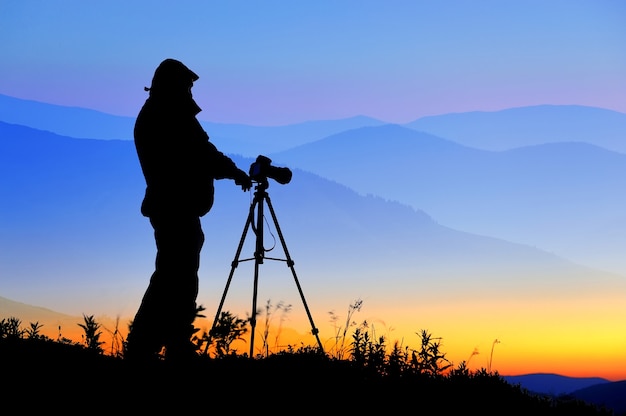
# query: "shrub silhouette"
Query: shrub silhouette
{"points": [[228, 329], [92, 334]]}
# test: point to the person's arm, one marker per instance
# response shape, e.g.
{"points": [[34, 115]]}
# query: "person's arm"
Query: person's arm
{"points": [[223, 167]]}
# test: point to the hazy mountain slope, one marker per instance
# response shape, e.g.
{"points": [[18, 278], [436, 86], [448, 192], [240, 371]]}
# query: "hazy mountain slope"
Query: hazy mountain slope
{"points": [[73, 226], [66, 121], [251, 141], [515, 127], [566, 198], [496, 130], [30, 314], [232, 138]]}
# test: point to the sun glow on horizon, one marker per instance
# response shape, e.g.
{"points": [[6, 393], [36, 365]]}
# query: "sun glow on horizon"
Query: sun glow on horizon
{"points": [[590, 344]]}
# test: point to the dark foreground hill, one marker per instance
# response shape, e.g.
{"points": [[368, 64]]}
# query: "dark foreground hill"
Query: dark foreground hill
{"points": [[41, 375]]}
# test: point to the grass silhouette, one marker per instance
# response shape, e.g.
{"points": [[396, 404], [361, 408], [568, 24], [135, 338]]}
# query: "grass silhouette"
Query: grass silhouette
{"points": [[42, 374]]}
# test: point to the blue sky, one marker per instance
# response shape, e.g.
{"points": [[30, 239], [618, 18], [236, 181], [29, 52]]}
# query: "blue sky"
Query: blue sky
{"points": [[281, 62]]}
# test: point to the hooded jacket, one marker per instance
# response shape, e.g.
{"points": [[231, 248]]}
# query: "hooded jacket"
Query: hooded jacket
{"points": [[178, 161]]}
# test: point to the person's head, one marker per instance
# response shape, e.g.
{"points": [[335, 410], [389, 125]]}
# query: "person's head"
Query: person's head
{"points": [[171, 79]]}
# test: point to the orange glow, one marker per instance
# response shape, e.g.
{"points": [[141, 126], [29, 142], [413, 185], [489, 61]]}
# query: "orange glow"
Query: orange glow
{"points": [[571, 336]]}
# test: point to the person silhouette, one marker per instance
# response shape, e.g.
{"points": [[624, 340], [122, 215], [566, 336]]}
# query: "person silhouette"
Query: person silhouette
{"points": [[179, 165]]}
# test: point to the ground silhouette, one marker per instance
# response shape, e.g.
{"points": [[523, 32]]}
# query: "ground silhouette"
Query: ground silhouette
{"points": [[44, 375]]}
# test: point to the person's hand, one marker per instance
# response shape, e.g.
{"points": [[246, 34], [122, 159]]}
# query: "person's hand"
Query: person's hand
{"points": [[242, 179]]}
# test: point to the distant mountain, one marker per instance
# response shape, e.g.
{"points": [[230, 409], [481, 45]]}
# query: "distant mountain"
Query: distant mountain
{"points": [[593, 390], [251, 141], [525, 126], [66, 121], [553, 384], [48, 322], [565, 198], [73, 226], [29, 313], [495, 130], [240, 139]]}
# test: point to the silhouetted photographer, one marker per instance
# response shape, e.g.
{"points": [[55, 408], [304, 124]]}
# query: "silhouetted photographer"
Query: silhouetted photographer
{"points": [[179, 165]]}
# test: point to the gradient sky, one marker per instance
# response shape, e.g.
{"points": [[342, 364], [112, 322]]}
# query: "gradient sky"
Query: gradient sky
{"points": [[282, 62]]}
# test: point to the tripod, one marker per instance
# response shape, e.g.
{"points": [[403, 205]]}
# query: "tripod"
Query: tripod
{"points": [[261, 196]]}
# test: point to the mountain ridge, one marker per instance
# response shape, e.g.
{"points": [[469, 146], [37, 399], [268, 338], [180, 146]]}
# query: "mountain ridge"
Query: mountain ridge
{"points": [[110, 168], [538, 195], [554, 384], [522, 126], [598, 391], [487, 130], [235, 138]]}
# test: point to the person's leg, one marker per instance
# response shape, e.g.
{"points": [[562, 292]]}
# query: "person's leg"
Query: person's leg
{"points": [[167, 311], [144, 340], [182, 305]]}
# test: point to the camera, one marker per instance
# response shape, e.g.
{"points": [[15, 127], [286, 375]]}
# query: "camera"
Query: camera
{"points": [[262, 168]]}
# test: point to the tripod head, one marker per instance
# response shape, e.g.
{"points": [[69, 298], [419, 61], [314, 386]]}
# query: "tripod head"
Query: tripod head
{"points": [[261, 186]]}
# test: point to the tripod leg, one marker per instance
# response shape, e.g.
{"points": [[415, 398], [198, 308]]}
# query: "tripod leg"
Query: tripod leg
{"points": [[234, 265], [258, 259], [290, 263]]}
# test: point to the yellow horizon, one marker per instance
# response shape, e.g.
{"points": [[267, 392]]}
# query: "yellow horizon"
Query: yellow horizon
{"points": [[508, 342]]}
